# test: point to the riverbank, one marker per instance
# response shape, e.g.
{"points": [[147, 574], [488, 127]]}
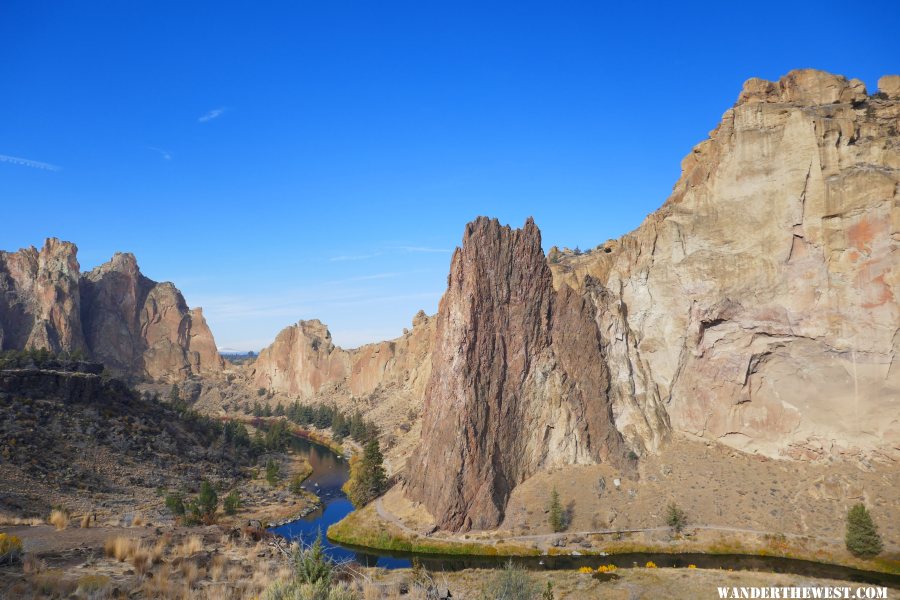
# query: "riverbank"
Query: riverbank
{"points": [[375, 529]]}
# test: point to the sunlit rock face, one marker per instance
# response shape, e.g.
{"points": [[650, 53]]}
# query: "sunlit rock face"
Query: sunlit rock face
{"points": [[518, 382], [758, 306], [39, 301], [134, 325]]}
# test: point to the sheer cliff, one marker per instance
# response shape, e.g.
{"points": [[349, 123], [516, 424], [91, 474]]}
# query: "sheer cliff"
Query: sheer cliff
{"points": [[758, 306]]}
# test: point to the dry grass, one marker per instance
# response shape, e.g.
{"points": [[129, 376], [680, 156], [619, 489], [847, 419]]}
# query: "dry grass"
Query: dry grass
{"points": [[30, 521], [32, 565], [93, 586], [119, 547], [160, 585], [59, 519], [217, 567], [86, 521], [137, 520], [190, 572], [190, 546]]}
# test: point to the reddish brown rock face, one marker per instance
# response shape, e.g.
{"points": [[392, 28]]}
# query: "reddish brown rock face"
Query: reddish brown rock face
{"points": [[518, 382], [132, 324]]}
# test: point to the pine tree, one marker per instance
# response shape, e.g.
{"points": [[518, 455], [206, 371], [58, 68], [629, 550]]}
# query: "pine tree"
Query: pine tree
{"points": [[368, 479], [557, 516], [675, 517], [862, 538]]}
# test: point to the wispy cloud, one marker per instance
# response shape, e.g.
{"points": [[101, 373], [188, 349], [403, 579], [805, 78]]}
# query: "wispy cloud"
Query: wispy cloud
{"points": [[24, 162], [425, 249], [164, 153], [354, 257], [389, 250], [213, 114]]}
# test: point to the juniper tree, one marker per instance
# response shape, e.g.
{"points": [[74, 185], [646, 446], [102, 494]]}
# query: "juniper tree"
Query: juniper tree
{"points": [[862, 537]]}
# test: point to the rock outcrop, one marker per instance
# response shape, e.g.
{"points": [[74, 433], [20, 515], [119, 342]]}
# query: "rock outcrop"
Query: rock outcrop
{"points": [[134, 325], [758, 306], [39, 300], [518, 380]]}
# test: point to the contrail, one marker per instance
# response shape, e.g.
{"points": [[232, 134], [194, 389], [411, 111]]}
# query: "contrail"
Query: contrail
{"points": [[34, 164]]}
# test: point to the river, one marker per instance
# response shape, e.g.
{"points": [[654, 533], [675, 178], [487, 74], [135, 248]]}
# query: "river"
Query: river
{"points": [[330, 471]]}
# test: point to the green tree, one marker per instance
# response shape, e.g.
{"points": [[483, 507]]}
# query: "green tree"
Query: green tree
{"points": [[368, 479], [357, 427], [207, 502], [862, 537], [557, 516], [675, 518], [231, 503], [272, 469]]}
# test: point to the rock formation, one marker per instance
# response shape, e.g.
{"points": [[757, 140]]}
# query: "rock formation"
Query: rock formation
{"points": [[518, 381], [39, 300], [758, 306], [303, 362], [132, 324]]}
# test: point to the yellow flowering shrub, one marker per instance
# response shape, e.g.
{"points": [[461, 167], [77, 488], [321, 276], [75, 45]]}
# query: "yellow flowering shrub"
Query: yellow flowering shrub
{"points": [[650, 564], [585, 570], [10, 548], [692, 566]]}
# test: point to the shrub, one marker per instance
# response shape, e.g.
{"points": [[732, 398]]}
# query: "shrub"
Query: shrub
{"points": [[231, 503], [511, 583], [91, 585], [272, 469], [207, 502], [312, 578], [175, 504], [675, 518], [862, 537], [296, 485], [10, 549], [59, 519]]}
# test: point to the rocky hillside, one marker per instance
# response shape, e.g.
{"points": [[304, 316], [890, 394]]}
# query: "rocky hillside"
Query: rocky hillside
{"points": [[757, 307], [74, 437], [114, 314]]}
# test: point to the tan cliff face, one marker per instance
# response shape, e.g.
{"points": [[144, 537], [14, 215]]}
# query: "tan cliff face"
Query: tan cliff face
{"points": [[39, 301], [304, 362], [132, 324], [758, 306], [518, 382]]}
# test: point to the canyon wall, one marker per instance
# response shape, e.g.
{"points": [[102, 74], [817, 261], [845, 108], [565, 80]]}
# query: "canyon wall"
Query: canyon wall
{"points": [[758, 306], [134, 325]]}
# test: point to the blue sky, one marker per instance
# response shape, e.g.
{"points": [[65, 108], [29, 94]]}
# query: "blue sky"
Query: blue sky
{"points": [[285, 161]]}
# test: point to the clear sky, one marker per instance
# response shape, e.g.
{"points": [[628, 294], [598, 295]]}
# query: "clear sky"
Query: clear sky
{"points": [[296, 160]]}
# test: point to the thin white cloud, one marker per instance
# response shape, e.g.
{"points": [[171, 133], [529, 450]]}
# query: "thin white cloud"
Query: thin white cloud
{"points": [[213, 114], [354, 257], [425, 249], [164, 153], [24, 162]]}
